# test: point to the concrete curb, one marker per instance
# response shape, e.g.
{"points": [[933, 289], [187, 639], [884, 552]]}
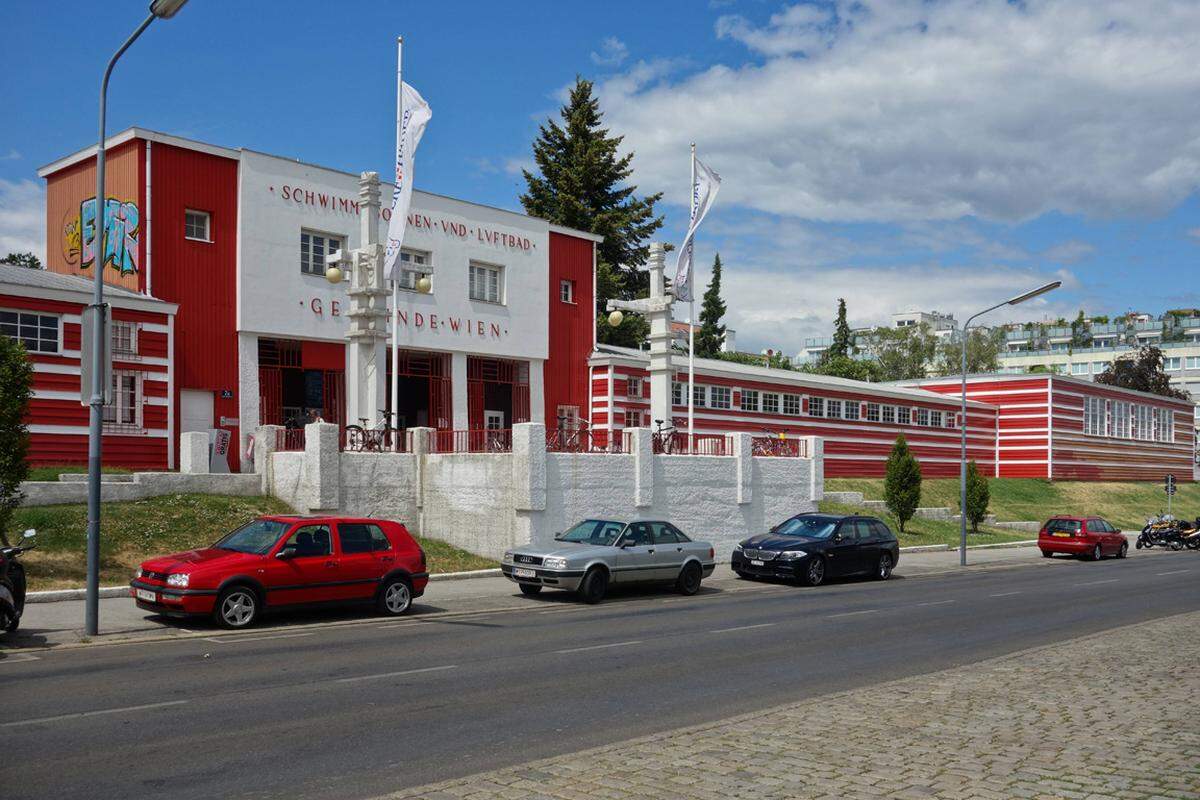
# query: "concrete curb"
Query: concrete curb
{"points": [[460, 576]]}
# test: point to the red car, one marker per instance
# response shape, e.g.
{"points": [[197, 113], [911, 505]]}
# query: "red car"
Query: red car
{"points": [[287, 561], [1087, 537]]}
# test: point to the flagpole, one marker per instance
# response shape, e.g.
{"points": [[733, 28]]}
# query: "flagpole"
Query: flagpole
{"points": [[395, 404], [691, 318]]}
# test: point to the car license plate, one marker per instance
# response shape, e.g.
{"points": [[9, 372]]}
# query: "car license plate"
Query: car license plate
{"points": [[754, 563], [525, 573], [1062, 535], [142, 594]]}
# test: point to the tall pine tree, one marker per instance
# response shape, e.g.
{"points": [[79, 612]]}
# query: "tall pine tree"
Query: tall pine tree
{"points": [[711, 335], [582, 183], [842, 343]]}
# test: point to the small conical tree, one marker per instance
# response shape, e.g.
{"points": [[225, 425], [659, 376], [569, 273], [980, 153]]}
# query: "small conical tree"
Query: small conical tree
{"points": [[902, 485], [841, 333], [712, 333], [16, 376], [978, 496]]}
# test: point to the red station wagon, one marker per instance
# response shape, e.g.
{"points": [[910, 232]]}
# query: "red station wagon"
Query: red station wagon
{"points": [[1087, 537], [287, 561]]}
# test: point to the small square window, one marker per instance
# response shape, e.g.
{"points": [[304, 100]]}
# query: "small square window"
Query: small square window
{"points": [[720, 396], [699, 395], [889, 414], [903, 415], [566, 292], [197, 226], [634, 387], [770, 403], [749, 400], [851, 410], [833, 409], [314, 248], [486, 284], [676, 393], [872, 412], [816, 406], [414, 265]]}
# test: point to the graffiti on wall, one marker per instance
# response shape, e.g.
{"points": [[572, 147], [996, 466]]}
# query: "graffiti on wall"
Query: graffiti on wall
{"points": [[121, 228]]}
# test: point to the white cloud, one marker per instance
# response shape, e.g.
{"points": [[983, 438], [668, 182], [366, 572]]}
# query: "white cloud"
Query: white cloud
{"points": [[22, 218], [612, 52], [907, 110], [1068, 252], [12, 155]]}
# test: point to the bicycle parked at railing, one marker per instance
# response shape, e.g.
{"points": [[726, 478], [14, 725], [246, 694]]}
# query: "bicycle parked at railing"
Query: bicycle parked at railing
{"points": [[664, 438], [378, 439]]}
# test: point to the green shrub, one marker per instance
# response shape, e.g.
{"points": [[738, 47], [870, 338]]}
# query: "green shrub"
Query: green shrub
{"points": [[902, 486], [978, 496]]}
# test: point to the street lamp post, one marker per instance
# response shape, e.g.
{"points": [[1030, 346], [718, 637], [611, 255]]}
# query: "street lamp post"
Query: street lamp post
{"points": [[962, 414], [159, 8]]}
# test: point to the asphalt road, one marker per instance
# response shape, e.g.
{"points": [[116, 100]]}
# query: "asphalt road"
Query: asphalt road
{"points": [[356, 711]]}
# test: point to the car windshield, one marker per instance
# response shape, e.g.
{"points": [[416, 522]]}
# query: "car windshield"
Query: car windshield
{"points": [[594, 531], [256, 536], [812, 527]]}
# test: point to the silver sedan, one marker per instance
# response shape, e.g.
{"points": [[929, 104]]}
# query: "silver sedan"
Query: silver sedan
{"points": [[599, 552]]}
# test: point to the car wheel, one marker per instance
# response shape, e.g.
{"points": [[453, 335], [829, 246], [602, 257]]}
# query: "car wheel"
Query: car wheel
{"points": [[530, 589], [237, 607], [1096, 553], [594, 586], [1047, 554], [1124, 551], [688, 582], [883, 570], [814, 573], [395, 598]]}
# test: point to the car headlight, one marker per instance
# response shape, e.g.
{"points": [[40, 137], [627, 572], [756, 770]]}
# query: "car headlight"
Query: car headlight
{"points": [[140, 573], [793, 554], [554, 562], [508, 557], [179, 579]]}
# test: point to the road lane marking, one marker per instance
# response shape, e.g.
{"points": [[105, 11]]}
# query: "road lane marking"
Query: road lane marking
{"points": [[743, 627], [1096, 583], [80, 714], [598, 647], [936, 603], [21, 658], [401, 673], [853, 613], [1173, 572], [1003, 594], [236, 639]]}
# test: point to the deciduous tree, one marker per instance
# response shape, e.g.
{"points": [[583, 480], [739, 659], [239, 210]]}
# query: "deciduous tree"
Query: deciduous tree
{"points": [[1142, 371], [978, 496], [902, 484], [16, 376]]}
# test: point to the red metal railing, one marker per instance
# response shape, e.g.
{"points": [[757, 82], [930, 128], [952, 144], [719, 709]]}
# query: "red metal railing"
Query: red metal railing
{"points": [[776, 447], [478, 441], [586, 441], [289, 439], [698, 444], [356, 439]]}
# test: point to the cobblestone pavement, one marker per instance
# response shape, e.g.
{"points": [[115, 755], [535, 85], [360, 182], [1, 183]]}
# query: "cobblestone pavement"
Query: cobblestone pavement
{"points": [[1075, 720]]}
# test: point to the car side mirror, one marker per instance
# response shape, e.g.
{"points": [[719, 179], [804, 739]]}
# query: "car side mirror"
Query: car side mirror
{"points": [[627, 543], [558, 536], [837, 537], [287, 552]]}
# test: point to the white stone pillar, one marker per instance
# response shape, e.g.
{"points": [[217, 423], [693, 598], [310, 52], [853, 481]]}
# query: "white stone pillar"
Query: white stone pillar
{"points": [[265, 437], [528, 483], [661, 368], [537, 392], [458, 391], [193, 452], [366, 340], [420, 444], [322, 467], [249, 412], [743, 455], [641, 444], [816, 475]]}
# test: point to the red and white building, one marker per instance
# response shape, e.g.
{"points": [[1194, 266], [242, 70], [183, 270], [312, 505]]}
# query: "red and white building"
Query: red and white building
{"points": [[1053, 426]]}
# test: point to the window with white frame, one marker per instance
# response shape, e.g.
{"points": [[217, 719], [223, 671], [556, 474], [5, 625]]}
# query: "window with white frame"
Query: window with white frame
{"points": [[833, 409], [633, 387], [749, 400], [1173, 364], [633, 418], [791, 404], [568, 418], [566, 291], [676, 393], [1094, 414], [1193, 362], [699, 395], [935, 419], [922, 416], [487, 283], [314, 248], [951, 419], [770, 403], [1098, 367], [197, 225], [1164, 428], [851, 410], [414, 265], [38, 332], [720, 397], [1143, 424], [1079, 369], [889, 414], [1120, 419], [903, 415], [816, 406], [872, 412], [125, 410], [124, 338]]}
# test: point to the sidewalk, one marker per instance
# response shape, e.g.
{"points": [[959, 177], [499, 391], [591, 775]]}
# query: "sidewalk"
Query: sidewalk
{"points": [[61, 623], [1019, 726]]}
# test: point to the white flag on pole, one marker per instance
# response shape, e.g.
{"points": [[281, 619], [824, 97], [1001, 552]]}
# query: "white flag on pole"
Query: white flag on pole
{"points": [[414, 116], [704, 192]]}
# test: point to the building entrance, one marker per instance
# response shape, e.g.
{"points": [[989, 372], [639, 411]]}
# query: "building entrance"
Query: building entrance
{"points": [[424, 390], [300, 380]]}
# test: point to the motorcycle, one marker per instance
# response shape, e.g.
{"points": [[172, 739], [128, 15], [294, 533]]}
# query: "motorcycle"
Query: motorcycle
{"points": [[12, 581], [1153, 533], [1190, 531]]}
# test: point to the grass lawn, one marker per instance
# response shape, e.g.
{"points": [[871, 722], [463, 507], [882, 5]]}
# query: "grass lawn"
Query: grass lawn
{"points": [[930, 531], [51, 473], [1126, 505], [138, 530]]}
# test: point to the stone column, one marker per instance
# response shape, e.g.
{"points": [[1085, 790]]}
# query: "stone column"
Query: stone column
{"points": [[265, 437], [458, 392], [659, 317], [193, 452], [641, 445], [420, 445], [248, 395], [366, 341], [528, 484], [743, 456], [816, 475], [322, 477]]}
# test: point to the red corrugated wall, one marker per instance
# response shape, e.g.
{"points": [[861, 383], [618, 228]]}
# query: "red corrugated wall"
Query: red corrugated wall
{"points": [[200, 276], [571, 326]]}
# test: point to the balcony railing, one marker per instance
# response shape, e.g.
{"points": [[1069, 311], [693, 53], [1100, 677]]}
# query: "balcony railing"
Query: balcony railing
{"points": [[356, 439], [586, 441], [678, 443], [289, 439], [477, 441], [773, 446]]}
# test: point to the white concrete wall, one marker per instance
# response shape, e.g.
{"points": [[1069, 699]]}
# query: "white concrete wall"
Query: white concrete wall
{"points": [[487, 503], [141, 486]]}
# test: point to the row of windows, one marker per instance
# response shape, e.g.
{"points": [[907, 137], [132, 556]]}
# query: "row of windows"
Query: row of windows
{"points": [[1121, 419], [40, 332], [719, 397]]}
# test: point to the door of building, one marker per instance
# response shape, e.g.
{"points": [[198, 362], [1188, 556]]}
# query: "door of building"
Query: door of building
{"points": [[195, 410]]}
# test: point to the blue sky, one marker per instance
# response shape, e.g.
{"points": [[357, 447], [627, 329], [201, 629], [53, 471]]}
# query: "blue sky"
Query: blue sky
{"points": [[900, 154]]}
